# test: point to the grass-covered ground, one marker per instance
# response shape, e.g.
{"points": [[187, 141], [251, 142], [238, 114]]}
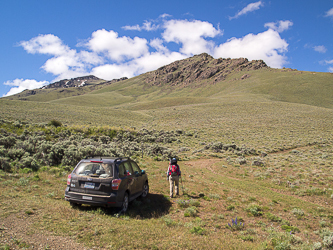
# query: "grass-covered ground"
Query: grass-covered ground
{"points": [[285, 202], [259, 149]]}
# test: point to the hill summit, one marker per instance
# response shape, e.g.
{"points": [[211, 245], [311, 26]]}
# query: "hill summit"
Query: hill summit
{"points": [[201, 67], [73, 82]]}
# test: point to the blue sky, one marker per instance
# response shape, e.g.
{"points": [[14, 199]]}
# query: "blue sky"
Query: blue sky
{"points": [[45, 41]]}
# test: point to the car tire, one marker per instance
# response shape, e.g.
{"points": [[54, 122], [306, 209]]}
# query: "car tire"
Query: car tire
{"points": [[74, 205], [145, 190], [124, 206]]}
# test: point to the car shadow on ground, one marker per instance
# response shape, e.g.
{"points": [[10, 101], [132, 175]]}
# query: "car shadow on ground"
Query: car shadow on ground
{"points": [[153, 206]]}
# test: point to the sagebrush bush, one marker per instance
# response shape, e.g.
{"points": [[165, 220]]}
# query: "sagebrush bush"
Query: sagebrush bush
{"points": [[198, 230], [255, 210], [190, 212], [5, 164], [53, 145], [273, 217], [298, 212], [169, 222], [55, 123]]}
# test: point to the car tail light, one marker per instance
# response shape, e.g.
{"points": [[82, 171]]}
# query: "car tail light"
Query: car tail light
{"points": [[96, 161], [69, 179], [116, 184]]}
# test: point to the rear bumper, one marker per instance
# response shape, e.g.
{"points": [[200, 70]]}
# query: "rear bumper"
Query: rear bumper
{"points": [[94, 200]]}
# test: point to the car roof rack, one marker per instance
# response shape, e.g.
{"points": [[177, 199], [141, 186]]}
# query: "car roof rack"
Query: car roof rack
{"points": [[101, 157], [121, 158]]}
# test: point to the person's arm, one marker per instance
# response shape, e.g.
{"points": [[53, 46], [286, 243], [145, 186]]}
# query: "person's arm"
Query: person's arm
{"points": [[168, 172]]}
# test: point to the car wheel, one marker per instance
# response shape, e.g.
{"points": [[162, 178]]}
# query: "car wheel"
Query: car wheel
{"points": [[145, 190], [125, 203], [73, 205]]}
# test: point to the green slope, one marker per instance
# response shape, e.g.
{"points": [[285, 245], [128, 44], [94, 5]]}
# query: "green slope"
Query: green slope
{"points": [[288, 86], [263, 107]]}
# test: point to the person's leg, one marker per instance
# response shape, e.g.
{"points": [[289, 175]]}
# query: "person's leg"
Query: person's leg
{"points": [[171, 186], [177, 184]]}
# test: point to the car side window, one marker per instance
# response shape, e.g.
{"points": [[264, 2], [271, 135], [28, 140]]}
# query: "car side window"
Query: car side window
{"points": [[136, 168], [128, 168], [122, 171]]}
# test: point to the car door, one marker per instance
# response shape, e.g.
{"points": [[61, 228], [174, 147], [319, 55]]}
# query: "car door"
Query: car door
{"points": [[129, 176], [139, 177]]}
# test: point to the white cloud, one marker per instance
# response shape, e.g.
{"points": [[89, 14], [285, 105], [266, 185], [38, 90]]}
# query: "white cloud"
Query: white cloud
{"points": [[329, 13], [191, 34], [158, 45], [66, 62], [133, 27], [151, 25], [147, 25], [148, 62], [117, 48], [279, 26], [113, 71], [90, 57], [330, 69], [60, 64], [266, 46], [249, 8], [109, 56], [155, 60], [165, 15], [45, 44], [320, 49], [20, 85]]}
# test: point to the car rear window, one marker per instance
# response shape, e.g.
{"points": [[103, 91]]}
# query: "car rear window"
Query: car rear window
{"points": [[99, 170]]}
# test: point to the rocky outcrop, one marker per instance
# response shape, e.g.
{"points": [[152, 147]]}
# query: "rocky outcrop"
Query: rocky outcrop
{"points": [[116, 80], [73, 82], [200, 68], [80, 82]]}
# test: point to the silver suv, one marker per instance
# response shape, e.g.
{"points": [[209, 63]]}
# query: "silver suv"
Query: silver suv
{"points": [[105, 181]]}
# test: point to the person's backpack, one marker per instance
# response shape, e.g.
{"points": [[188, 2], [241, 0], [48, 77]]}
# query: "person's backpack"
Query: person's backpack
{"points": [[174, 170]]}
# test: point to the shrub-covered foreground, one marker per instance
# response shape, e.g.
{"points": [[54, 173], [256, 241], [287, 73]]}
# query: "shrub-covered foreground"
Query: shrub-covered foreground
{"points": [[268, 216], [31, 146], [26, 147]]}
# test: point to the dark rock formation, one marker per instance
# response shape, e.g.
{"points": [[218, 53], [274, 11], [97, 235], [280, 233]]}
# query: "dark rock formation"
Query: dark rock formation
{"points": [[73, 82], [200, 68]]}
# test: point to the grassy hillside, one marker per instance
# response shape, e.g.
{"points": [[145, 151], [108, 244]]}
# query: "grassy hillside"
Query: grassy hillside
{"points": [[278, 179], [285, 204]]}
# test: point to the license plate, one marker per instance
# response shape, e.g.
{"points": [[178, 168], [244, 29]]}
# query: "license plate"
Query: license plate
{"points": [[90, 185], [86, 198]]}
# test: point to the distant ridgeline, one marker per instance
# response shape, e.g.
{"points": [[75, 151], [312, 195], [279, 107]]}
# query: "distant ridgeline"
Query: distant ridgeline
{"points": [[74, 82], [200, 72], [201, 67], [84, 84], [80, 82], [179, 73]]}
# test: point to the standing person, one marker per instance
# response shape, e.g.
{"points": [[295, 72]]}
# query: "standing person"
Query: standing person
{"points": [[173, 176]]}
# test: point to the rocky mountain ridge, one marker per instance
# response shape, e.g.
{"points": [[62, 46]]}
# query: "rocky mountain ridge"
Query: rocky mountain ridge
{"points": [[73, 82], [201, 67], [80, 82], [179, 73]]}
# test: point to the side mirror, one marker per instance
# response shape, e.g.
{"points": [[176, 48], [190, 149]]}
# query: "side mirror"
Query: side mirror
{"points": [[143, 171]]}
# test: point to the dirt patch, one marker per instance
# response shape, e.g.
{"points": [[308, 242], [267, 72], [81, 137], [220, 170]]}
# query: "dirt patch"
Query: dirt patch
{"points": [[17, 232]]}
